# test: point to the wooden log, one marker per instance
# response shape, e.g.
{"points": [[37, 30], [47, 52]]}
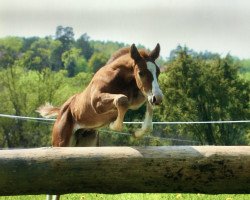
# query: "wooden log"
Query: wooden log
{"points": [[192, 169]]}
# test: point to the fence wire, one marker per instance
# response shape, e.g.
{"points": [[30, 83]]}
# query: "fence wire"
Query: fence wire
{"points": [[159, 123], [128, 135]]}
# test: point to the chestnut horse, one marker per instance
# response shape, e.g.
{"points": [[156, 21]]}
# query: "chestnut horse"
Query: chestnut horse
{"points": [[127, 81]]}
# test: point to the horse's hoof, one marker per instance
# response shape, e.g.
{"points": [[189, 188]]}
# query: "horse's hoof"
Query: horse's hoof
{"points": [[139, 133], [113, 126]]}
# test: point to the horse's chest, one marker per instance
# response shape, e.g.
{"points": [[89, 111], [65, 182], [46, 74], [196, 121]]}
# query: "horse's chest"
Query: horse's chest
{"points": [[137, 102]]}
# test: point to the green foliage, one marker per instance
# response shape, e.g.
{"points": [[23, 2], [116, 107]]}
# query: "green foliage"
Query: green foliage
{"points": [[74, 62], [107, 48], [12, 43], [66, 36], [27, 42], [10, 50], [37, 57], [207, 55], [245, 66], [199, 90], [20, 95], [197, 86], [83, 44], [245, 69], [103, 51], [22, 92], [97, 61]]}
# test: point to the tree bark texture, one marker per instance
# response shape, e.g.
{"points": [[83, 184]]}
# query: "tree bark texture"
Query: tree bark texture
{"points": [[185, 169]]}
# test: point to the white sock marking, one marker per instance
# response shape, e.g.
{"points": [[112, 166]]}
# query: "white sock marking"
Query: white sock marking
{"points": [[147, 121]]}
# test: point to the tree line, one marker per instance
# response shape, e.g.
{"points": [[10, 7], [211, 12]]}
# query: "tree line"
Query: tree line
{"points": [[197, 86]]}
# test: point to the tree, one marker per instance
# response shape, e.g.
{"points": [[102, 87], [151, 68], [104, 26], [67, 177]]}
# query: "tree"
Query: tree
{"points": [[42, 54], [245, 68], [205, 90], [83, 44], [10, 50], [97, 61], [207, 55], [107, 48], [74, 62], [66, 36], [22, 92], [56, 56], [17, 96], [27, 42]]}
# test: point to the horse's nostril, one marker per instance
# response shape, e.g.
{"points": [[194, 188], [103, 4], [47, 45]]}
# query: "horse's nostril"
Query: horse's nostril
{"points": [[154, 99]]}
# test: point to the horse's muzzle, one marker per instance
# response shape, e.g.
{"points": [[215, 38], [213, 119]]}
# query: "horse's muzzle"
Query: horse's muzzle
{"points": [[155, 99]]}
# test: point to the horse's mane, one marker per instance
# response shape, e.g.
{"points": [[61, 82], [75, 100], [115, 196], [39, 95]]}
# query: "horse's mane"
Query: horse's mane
{"points": [[124, 51], [118, 54]]}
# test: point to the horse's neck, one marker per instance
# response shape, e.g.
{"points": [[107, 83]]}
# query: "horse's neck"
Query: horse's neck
{"points": [[123, 61]]}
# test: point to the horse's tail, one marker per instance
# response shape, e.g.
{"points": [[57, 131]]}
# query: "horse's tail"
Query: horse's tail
{"points": [[48, 110]]}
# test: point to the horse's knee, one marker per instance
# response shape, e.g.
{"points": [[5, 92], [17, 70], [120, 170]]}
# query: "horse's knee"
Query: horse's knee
{"points": [[122, 101]]}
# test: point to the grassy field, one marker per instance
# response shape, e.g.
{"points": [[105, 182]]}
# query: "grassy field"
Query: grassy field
{"points": [[135, 197]]}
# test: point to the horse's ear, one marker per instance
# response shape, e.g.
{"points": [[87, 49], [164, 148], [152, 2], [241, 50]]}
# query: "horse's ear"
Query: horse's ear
{"points": [[134, 53], [155, 53]]}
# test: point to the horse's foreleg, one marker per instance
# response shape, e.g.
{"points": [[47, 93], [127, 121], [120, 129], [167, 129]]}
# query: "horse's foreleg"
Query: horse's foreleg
{"points": [[105, 102], [121, 103], [147, 125]]}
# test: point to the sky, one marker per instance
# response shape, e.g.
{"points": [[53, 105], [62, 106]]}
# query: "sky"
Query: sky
{"points": [[221, 26]]}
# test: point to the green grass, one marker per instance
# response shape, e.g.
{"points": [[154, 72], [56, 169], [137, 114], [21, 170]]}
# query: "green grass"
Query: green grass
{"points": [[135, 197]]}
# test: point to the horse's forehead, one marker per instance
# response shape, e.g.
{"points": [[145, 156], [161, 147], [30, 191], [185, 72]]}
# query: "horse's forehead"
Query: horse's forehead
{"points": [[151, 67]]}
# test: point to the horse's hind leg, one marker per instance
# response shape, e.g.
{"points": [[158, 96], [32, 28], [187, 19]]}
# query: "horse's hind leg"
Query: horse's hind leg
{"points": [[63, 129], [62, 132], [86, 138]]}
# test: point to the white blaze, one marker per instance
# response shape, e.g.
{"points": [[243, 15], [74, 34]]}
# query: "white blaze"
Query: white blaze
{"points": [[156, 91]]}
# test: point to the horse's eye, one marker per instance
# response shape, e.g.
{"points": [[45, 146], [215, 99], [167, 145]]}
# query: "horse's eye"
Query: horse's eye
{"points": [[141, 74]]}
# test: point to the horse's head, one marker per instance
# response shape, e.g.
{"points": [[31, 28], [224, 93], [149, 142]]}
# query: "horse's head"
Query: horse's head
{"points": [[146, 73]]}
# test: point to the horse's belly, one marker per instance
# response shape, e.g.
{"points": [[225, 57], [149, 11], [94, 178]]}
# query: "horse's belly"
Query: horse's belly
{"points": [[95, 120]]}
